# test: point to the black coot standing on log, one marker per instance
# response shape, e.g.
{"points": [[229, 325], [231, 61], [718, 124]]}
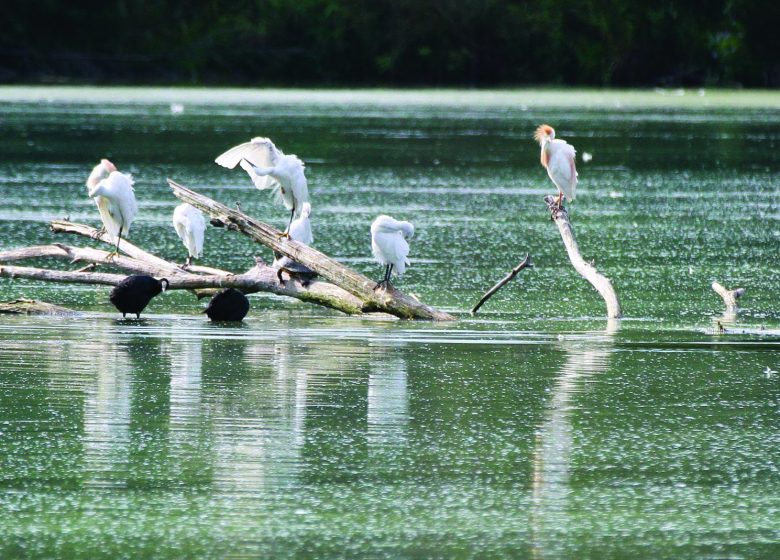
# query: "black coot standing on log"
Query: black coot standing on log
{"points": [[228, 305], [133, 293]]}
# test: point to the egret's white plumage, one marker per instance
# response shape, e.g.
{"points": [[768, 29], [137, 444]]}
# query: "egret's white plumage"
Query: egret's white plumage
{"points": [[300, 231], [101, 171], [121, 209], [558, 158], [389, 245], [269, 168], [300, 228], [190, 226]]}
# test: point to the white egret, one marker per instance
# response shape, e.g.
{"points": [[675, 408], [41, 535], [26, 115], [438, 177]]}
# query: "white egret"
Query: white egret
{"points": [[269, 168], [300, 231], [190, 226], [389, 245], [558, 159], [121, 207], [100, 172], [300, 227]]}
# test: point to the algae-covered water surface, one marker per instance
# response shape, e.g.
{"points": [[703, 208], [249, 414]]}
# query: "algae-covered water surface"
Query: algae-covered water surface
{"points": [[536, 429]]}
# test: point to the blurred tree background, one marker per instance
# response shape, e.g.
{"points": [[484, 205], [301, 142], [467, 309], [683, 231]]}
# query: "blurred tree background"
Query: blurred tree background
{"points": [[392, 42]]}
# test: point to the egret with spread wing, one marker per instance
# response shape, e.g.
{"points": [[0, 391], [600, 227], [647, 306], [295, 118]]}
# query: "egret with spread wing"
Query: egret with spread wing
{"points": [[190, 226], [558, 159], [269, 168], [389, 245], [120, 206]]}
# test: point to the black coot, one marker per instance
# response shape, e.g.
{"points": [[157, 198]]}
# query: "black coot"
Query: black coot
{"points": [[227, 305], [133, 293]]}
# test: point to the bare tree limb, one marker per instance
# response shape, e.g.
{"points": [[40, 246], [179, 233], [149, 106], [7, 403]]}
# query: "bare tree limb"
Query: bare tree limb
{"points": [[89, 255], [602, 284], [23, 306], [63, 226], [261, 278], [526, 262], [391, 301], [730, 297], [340, 294]]}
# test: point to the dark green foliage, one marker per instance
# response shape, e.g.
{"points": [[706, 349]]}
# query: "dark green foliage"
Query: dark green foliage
{"points": [[397, 42]]}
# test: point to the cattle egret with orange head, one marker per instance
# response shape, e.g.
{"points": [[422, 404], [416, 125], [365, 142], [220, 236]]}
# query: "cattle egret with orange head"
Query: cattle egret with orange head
{"points": [[558, 159]]}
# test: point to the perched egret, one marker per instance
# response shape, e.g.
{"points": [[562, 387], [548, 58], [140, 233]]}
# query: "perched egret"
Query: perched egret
{"points": [[388, 243], [134, 293], [120, 205], [558, 159], [101, 171], [228, 305], [300, 231], [190, 226], [269, 168]]}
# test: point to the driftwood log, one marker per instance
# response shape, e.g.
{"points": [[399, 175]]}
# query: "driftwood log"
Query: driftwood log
{"points": [[203, 280], [729, 297], [525, 263], [602, 284], [23, 306], [388, 300], [260, 278]]}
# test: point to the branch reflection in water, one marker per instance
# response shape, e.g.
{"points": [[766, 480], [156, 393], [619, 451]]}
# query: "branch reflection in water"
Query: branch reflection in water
{"points": [[586, 357]]}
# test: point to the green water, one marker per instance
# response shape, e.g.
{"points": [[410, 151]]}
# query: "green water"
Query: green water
{"points": [[535, 430]]}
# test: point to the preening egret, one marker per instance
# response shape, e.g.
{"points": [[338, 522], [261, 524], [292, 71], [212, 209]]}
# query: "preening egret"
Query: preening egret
{"points": [[558, 159], [133, 293], [190, 226], [228, 305], [300, 227], [389, 245], [300, 231], [100, 172], [269, 168], [120, 208]]}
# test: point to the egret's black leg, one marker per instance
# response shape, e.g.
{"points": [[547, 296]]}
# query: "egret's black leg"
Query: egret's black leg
{"points": [[292, 215], [384, 278], [387, 278], [115, 253], [287, 231]]}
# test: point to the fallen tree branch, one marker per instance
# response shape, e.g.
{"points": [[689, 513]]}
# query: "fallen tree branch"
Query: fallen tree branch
{"points": [[205, 280], [730, 297], [602, 284], [391, 301], [89, 255], [63, 226], [526, 262], [261, 278], [24, 306]]}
